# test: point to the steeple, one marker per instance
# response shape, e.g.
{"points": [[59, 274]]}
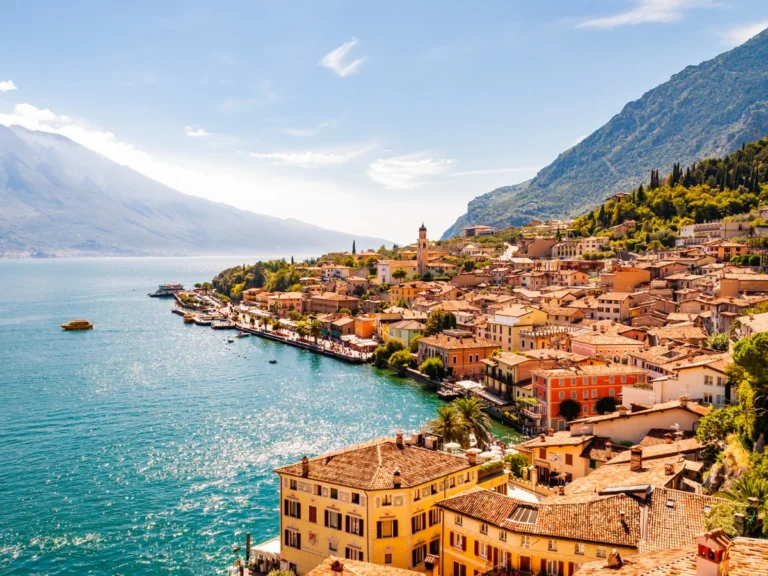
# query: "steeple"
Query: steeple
{"points": [[422, 251]]}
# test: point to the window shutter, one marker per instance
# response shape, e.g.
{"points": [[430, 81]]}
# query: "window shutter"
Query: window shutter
{"points": [[285, 537], [413, 525], [495, 556], [298, 540], [477, 548], [451, 538], [346, 553], [298, 510], [285, 507], [361, 524], [326, 519], [346, 524], [394, 528], [378, 529], [413, 558]]}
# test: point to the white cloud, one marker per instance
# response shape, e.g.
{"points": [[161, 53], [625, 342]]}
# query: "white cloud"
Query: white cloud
{"points": [[334, 60], [409, 171], [495, 171], [7, 85], [315, 158], [195, 131], [736, 35], [304, 132], [647, 11]]}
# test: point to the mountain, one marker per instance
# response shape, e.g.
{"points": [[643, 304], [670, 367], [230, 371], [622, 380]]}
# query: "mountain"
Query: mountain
{"points": [[59, 198], [705, 110]]}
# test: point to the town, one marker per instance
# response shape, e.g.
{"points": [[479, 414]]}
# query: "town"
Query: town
{"points": [[618, 368]]}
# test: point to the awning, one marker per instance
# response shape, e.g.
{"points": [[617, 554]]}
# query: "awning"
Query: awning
{"points": [[270, 548]]}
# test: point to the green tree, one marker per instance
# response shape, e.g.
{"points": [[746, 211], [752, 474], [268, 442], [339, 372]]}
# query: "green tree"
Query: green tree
{"points": [[433, 368], [718, 341], [750, 371], [345, 311], [606, 405], [569, 409], [354, 250], [450, 425], [394, 345], [438, 321], [315, 329], [400, 360], [380, 357], [302, 329], [715, 426], [399, 274], [518, 463], [414, 345], [473, 412]]}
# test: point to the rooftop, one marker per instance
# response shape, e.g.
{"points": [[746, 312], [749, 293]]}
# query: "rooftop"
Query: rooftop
{"points": [[356, 568]]}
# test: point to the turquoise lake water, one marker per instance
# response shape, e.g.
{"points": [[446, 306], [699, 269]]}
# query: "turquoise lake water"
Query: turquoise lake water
{"points": [[146, 446]]}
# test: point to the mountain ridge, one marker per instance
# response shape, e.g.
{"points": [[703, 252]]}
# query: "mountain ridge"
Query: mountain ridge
{"points": [[702, 111], [59, 198]]}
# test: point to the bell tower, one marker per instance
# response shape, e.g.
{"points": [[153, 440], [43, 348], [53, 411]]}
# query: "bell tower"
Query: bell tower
{"points": [[422, 251]]}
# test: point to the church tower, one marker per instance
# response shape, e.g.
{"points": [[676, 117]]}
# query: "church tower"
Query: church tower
{"points": [[422, 251]]}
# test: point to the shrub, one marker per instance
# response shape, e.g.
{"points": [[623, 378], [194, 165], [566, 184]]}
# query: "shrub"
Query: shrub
{"points": [[433, 368]]}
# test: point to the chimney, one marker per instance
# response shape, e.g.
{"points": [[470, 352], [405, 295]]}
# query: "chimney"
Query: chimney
{"points": [[712, 553], [561, 490], [614, 560], [739, 523], [667, 438], [609, 449], [472, 458], [669, 469], [304, 467], [623, 410], [337, 566], [396, 477], [683, 400], [399, 439], [636, 459], [550, 432], [543, 437]]}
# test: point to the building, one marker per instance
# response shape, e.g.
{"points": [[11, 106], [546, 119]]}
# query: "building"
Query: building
{"points": [[330, 302], [422, 250], [460, 351], [371, 502], [283, 302], [334, 272], [583, 384], [503, 328], [479, 230], [604, 345], [336, 566], [577, 247], [251, 297], [508, 375], [406, 330], [613, 306], [624, 278], [385, 268], [692, 234]]}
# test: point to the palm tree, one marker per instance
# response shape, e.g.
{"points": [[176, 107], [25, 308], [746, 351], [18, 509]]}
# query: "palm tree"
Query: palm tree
{"points": [[474, 414], [450, 425], [315, 328], [747, 486]]}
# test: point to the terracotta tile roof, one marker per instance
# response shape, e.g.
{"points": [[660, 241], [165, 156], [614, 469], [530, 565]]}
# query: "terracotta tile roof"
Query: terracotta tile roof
{"points": [[652, 473], [674, 562], [679, 332], [557, 439], [356, 568], [589, 370], [657, 436], [597, 449], [456, 343], [748, 557], [662, 450], [369, 466], [600, 339], [671, 405]]}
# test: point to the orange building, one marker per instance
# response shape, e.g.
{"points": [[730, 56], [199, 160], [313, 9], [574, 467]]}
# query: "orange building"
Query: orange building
{"points": [[365, 325], [461, 352]]}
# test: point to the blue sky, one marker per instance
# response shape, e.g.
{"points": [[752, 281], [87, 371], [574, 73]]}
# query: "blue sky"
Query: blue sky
{"points": [[359, 116]]}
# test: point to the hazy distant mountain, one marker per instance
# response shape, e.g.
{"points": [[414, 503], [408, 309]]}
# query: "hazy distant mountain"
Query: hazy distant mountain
{"points": [[704, 111], [58, 197]]}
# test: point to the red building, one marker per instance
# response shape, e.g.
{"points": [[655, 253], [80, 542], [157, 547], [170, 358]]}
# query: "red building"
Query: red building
{"points": [[584, 384]]}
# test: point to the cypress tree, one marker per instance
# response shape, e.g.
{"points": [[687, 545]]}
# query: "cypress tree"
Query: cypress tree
{"points": [[641, 194], [601, 215], [353, 247]]}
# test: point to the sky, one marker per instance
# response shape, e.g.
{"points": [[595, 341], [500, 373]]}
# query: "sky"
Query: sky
{"points": [[365, 117]]}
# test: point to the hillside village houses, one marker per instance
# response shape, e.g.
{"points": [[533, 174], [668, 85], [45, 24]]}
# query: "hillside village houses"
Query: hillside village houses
{"points": [[547, 339]]}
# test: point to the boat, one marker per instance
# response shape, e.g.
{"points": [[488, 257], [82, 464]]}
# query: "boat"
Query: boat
{"points": [[189, 318], [165, 290], [202, 320], [242, 335], [231, 340], [273, 361], [78, 325], [445, 393], [222, 325]]}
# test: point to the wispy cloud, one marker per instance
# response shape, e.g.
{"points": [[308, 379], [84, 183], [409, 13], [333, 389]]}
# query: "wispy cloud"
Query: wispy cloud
{"points": [[335, 59], [195, 131], [496, 171], [304, 132], [736, 35], [315, 158], [7, 85], [647, 11], [409, 171]]}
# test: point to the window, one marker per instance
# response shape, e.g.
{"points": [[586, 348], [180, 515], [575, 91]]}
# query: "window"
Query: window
{"points": [[594, 392], [601, 551], [434, 547], [594, 379], [552, 568], [525, 541], [459, 520], [611, 392], [355, 498], [585, 409], [573, 394], [452, 482], [333, 546], [353, 554], [292, 508], [416, 495], [585, 394], [433, 487], [388, 558], [318, 490], [418, 523], [543, 453], [707, 380], [355, 525], [386, 529], [562, 395], [334, 494], [562, 381], [418, 554], [708, 397], [552, 545], [333, 519], [313, 514], [720, 381], [458, 541], [459, 569], [579, 549], [292, 539], [434, 516], [482, 549], [293, 485], [593, 464], [611, 379], [386, 500], [503, 535], [483, 528], [569, 459]]}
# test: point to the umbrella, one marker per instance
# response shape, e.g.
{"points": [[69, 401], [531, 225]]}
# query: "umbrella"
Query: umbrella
{"points": [[452, 446], [474, 451], [510, 451], [487, 455]]}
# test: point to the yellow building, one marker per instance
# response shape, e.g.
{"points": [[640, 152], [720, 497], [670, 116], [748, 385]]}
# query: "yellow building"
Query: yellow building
{"points": [[484, 530], [503, 328], [373, 502]]}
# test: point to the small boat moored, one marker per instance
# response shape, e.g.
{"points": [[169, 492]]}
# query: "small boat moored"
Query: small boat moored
{"points": [[242, 335], [189, 318], [165, 290], [273, 361], [78, 325]]}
